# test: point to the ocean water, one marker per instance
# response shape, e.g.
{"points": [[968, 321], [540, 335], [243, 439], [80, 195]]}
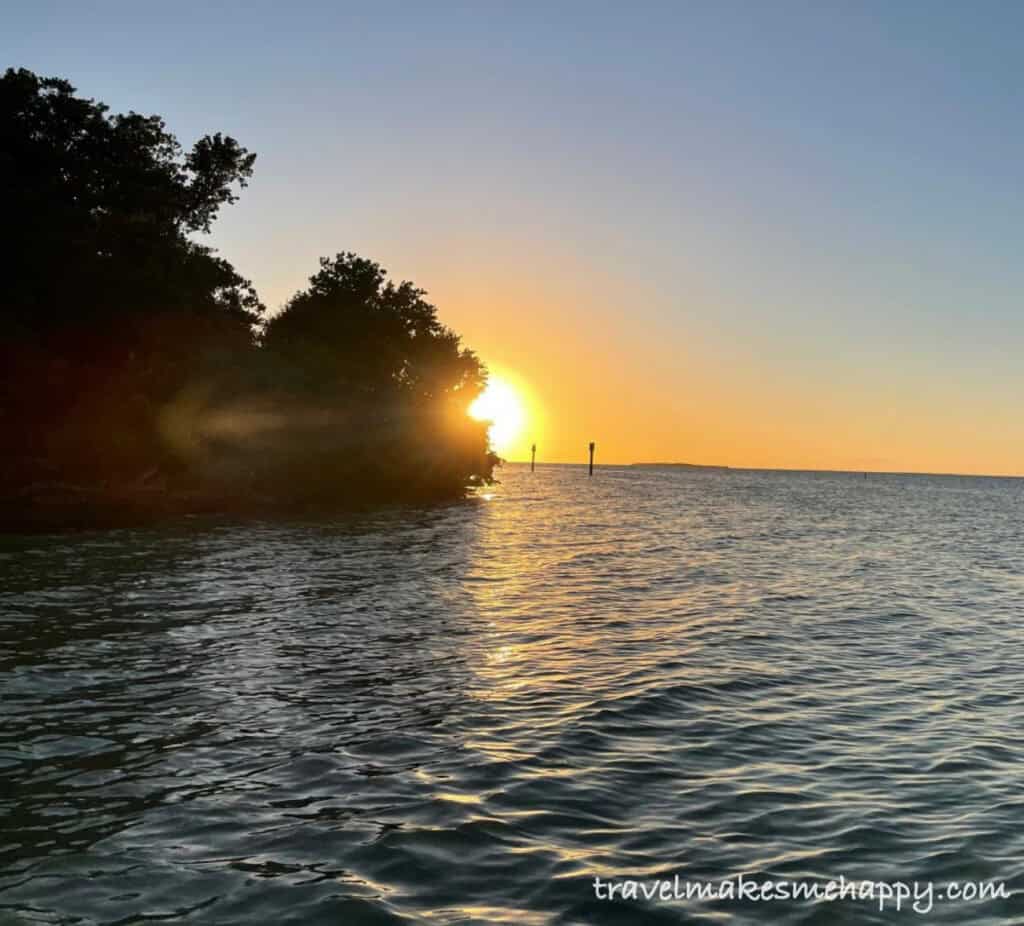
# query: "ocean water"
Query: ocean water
{"points": [[465, 714]]}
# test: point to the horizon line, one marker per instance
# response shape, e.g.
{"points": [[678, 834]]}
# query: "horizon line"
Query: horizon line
{"points": [[768, 469]]}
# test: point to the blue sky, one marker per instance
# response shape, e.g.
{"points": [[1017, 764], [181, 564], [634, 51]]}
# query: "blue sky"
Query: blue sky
{"points": [[752, 233]]}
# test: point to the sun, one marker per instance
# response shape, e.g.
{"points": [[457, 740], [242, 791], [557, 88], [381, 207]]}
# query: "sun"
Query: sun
{"points": [[501, 405]]}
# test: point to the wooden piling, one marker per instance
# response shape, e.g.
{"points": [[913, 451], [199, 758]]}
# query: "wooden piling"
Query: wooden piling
{"points": [[591, 471], [533, 456]]}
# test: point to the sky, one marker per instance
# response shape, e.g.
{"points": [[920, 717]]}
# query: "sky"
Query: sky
{"points": [[754, 234]]}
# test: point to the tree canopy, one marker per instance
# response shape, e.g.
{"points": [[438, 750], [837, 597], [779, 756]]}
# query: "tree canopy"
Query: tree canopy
{"points": [[352, 329], [100, 209], [118, 319]]}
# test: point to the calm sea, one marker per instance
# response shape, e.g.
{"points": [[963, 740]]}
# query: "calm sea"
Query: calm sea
{"points": [[465, 714]]}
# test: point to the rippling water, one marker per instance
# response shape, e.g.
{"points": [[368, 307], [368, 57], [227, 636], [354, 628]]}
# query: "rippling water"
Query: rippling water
{"points": [[462, 715]]}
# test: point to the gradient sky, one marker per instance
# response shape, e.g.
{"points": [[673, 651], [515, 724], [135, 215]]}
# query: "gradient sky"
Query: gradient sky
{"points": [[758, 234]]}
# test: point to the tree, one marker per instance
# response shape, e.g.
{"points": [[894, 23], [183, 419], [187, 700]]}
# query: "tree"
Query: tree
{"points": [[355, 331], [395, 376], [105, 295], [130, 348]]}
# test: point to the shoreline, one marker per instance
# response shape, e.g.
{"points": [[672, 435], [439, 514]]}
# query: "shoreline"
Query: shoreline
{"points": [[59, 507]]}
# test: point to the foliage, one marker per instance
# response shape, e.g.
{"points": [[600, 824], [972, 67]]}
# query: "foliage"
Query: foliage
{"points": [[399, 379], [107, 302], [355, 331], [99, 208], [130, 347]]}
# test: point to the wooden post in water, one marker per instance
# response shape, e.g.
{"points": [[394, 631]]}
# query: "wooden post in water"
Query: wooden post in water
{"points": [[591, 472], [533, 456]]}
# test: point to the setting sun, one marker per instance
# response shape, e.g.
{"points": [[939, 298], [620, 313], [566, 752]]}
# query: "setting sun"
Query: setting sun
{"points": [[501, 405]]}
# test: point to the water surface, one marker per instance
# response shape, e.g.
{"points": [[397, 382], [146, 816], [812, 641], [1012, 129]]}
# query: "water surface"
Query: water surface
{"points": [[464, 714]]}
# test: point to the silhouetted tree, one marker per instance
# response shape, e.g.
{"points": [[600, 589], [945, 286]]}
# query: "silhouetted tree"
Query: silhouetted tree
{"points": [[99, 208], [130, 349], [108, 303], [398, 380], [353, 330]]}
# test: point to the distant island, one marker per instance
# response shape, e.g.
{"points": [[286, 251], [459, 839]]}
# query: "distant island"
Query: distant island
{"points": [[143, 376], [680, 466]]}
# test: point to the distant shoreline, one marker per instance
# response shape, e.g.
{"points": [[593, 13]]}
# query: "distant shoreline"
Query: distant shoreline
{"points": [[708, 466]]}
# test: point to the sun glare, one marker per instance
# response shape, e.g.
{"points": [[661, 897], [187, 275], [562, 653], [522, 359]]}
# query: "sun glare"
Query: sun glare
{"points": [[502, 406]]}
